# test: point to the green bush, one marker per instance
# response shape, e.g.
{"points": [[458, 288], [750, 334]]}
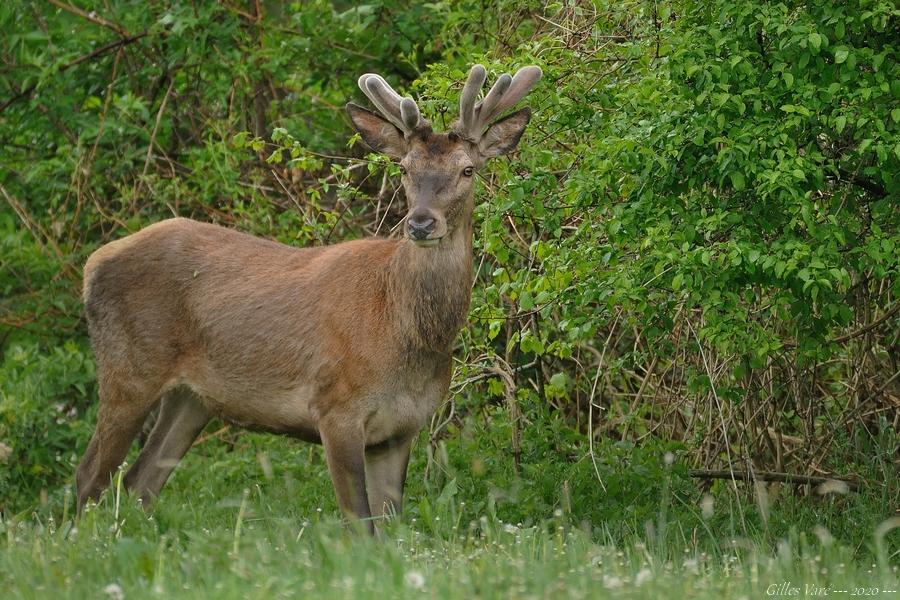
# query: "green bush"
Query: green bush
{"points": [[44, 408]]}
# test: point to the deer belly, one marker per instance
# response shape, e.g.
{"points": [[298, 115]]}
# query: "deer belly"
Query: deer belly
{"points": [[278, 411]]}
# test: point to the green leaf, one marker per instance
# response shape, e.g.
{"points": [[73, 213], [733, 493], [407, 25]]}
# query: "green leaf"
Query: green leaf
{"points": [[558, 380], [839, 29], [526, 301], [737, 180], [815, 40], [840, 123], [91, 102], [840, 54]]}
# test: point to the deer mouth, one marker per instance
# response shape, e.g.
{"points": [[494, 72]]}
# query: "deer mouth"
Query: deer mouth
{"points": [[426, 243]]}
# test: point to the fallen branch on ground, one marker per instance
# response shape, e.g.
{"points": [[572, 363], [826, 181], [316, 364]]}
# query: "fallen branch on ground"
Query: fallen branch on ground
{"points": [[852, 484]]}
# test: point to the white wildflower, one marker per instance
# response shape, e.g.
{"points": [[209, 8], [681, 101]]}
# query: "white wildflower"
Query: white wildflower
{"points": [[114, 591], [611, 582]]}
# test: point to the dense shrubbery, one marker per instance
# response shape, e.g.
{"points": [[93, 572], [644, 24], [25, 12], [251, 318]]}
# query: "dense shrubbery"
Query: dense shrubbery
{"points": [[698, 242]]}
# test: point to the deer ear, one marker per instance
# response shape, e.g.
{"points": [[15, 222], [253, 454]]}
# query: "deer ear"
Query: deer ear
{"points": [[379, 134], [503, 136]]}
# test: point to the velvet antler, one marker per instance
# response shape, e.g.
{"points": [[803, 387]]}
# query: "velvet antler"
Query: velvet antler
{"points": [[402, 112], [506, 92]]}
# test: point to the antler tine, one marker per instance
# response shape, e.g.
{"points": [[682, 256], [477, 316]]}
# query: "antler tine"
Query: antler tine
{"points": [[522, 82], [409, 113], [505, 92], [385, 99], [402, 112], [486, 107], [474, 83]]}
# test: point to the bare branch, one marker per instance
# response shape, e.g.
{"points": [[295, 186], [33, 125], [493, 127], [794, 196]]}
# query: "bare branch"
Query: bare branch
{"points": [[98, 52]]}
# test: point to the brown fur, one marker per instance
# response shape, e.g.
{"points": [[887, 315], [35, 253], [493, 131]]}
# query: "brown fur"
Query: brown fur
{"points": [[348, 345]]}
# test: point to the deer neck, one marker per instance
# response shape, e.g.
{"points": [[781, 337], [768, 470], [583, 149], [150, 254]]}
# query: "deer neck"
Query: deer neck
{"points": [[430, 289]]}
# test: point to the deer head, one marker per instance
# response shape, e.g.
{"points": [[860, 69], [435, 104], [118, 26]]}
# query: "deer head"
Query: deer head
{"points": [[438, 169]]}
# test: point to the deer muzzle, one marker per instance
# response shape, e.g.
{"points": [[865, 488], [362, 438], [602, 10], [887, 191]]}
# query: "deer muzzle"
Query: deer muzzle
{"points": [[421, 228]]}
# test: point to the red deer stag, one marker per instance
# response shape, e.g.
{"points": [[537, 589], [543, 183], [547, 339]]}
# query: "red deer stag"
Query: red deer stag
{"points": [[346, 345]]}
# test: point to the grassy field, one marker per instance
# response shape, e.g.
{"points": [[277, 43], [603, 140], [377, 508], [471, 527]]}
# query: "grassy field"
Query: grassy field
{"points": [[257, 519]]}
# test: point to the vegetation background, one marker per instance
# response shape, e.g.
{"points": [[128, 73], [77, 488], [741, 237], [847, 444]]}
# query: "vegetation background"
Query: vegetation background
{"points": [[691, 265]]}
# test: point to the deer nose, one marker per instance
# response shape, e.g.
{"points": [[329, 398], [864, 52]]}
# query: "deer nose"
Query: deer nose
{"points": [[420, 227]]}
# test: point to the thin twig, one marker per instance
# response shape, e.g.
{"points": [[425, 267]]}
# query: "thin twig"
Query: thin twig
{"points": [[861, 331], [510, 387], [215, 434], [591, 402], [159, 114], [92, 16]]}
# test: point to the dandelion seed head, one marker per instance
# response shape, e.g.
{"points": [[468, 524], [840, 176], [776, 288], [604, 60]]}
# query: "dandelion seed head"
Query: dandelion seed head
{"points": [[114, 591], [415, 580]]}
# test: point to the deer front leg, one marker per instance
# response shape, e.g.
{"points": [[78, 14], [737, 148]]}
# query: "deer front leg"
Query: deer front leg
{"points": [[386, 475], [345, 453]]}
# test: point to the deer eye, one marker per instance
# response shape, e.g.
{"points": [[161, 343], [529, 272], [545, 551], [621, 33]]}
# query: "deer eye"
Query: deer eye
{"points": [[468, 171]]}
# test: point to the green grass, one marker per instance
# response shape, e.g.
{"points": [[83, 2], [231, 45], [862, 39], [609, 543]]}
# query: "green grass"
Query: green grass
{"points": [[227, 526]]}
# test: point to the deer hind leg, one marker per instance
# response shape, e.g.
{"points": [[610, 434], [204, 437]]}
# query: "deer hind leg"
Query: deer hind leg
{"points": [[181, 419], [386, 476], [120, 416]]}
